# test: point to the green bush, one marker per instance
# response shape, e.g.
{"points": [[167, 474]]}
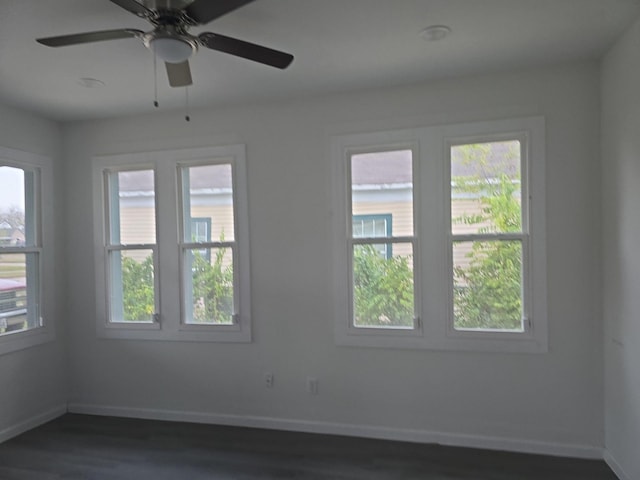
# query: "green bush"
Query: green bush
{"points": [[383, 289], [212, 289], [488, 291], [138, 289]]}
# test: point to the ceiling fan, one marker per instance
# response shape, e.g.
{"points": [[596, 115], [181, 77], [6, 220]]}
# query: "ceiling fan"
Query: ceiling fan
{"points": [[170, 39]]}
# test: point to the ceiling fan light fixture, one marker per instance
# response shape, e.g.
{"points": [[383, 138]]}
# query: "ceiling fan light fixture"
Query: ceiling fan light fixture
{"points": [[435, 33], [172, 49]]}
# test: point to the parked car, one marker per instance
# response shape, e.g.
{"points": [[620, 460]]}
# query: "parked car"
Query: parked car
{"points": [[13, 305]]}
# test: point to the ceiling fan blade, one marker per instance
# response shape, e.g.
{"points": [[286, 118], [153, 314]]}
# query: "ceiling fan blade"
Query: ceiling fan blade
{"points": [[134, 7], [250, 51], [89, 37], [179, 74], [203, 11]]}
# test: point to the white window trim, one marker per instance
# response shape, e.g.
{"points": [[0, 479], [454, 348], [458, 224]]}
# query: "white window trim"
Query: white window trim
{"points": [[234, 245], [434, 330], [398, 144], [110, 247], [12, 342], [169, 325]]}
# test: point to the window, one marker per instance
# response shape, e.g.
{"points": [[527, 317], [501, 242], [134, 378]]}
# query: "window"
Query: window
{"points": [[382, 265], [19, 251], [209, 280], [22, 309], [463, 265], [372, 226], [173, 270], [131, 246], [488, 235]]}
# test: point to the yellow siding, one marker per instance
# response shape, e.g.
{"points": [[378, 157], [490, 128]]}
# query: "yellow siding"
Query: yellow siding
{"points": [[221, 220], [137, 225]]}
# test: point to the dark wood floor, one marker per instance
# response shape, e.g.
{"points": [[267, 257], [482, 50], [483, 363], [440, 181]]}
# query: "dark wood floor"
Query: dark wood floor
{"points": [[105, 448]]}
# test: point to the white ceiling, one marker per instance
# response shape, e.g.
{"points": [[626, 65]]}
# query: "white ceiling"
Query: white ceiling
{"points": [[339, 45]]}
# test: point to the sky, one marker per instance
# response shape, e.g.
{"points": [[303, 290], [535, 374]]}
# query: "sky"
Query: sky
{"points": [[11, 188]]}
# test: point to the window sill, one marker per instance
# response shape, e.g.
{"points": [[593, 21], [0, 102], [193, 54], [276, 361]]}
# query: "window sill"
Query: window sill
{"points": [[171, 333], [13, 342], [525, 343]]}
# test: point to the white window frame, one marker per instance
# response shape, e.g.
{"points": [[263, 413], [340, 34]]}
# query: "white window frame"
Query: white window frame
{"points": [[168, 323], [44, 332], [394, 144], [523, 236], [186, 246], [110, 247], [432, 224]]}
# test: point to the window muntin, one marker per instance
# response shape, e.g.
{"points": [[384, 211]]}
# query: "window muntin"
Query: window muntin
{"points": [[487, 236], [209, 278], [382, 273], [20, 250], [131, 246]]}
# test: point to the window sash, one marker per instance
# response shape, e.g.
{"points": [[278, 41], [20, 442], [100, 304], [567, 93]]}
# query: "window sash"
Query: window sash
{"points": [[113, 244], [185, 224], [389, 240], [32, 251], [415, 280], [187, 320], [119, 320], [521, 236]]}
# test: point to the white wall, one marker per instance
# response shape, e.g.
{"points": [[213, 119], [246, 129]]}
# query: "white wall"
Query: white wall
{"points": [[621, 213], [33, 383], [550, 402]]}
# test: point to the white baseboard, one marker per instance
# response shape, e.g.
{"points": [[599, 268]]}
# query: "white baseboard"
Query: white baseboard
{"points": [[32, 422], [366, 431], [615, 466]]}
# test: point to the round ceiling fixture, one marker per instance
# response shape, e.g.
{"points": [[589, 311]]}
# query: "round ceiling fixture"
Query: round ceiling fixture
{"points": [[435, 33], [90, 82]]}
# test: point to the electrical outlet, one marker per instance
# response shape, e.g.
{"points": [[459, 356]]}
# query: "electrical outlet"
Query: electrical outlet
{"points": [[268, 380], [312, 385]]}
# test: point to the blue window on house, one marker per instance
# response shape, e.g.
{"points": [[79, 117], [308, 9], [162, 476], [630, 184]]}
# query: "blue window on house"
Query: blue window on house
{"points": [[201, 232], [374, 226]]}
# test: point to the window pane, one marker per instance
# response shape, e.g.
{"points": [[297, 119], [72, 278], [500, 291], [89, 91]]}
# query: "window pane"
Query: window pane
{"points": [[382, 184], [485, 188], [132, 286], [383, 286], [487, 291], [133, 210], [19, 287], [12, 207], [208, 203], [209, 286]]}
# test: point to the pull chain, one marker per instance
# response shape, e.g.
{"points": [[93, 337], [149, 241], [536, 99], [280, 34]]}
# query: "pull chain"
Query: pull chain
{"points": [[155, 81], [186, 96]]}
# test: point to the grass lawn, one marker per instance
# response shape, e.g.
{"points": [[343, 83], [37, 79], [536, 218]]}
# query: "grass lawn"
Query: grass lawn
{"points": [[12, 266]]}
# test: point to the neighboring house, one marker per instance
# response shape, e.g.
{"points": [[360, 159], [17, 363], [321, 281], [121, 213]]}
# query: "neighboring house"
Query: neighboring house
{"points": [[10, 235], [382, 202], [211, 212]]}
